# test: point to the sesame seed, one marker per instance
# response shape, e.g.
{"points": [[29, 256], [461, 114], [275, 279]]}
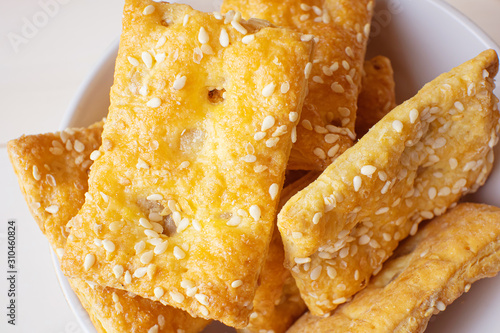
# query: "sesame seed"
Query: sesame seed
{"points": [[368, 170], [459, 106], [349, 52], [259, 136], [154, 102], [306, 38], [297, 235], [89, 261], [176, 216], [139, 247], [95, 155], [179, 82], [179, 253], [357, 183], [268, 90], [53, 209], [346, 65], [285, 87], [255, 212], [397, 125], [128, 277], [108, 245], [440, 306], [177, 297], [184, 165], [413, 116], [333, 151], [248, 39], [159, 292], [207, 49], [78, 146], [249, 158], [304, 17], [318, 79], [317, 217], [366, 29], [160, 43], [272, 142], [155, 197], [147, 59], [143, 91], [149, 10], [308, 69], [331, 138], [118, 271], [234, 221], [445, 191], [305, 7], [320, 129], [237, 25], [267, 123], [307, 124], [364, 239], [337, 88], [427, 215], [344, 112], [203, 37], [273, 190], [146, 257], [203, 299], [300, 261], [293, 116], [161, 248], [439, 143], [236, 283], [224, 38], [382, 210], [151, 233], [133, 61], [294, 134], [145, 223], [204, 310], [316, 272], [453, 163]]}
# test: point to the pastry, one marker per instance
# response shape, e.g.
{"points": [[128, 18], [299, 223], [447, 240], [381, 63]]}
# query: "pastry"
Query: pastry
{"points": [[416, 162], [187, 181], [340, 29], [426, 274]]}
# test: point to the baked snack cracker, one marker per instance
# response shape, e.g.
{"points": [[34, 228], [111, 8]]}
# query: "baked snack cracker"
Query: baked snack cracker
{"points": [[417, 161], [341, 29], [426, 274], [377, 95], [184, 189], [277, 303], [53, 175]]}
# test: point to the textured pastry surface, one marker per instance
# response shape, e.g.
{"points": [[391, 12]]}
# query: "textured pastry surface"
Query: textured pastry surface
{"points": [[277, 303], [53, 172], [427, 273], [187, 181], [417, 161], [377, 95], [341, 29]]}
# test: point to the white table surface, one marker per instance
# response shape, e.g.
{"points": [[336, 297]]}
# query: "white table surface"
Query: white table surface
{"points": [[41, 68]]}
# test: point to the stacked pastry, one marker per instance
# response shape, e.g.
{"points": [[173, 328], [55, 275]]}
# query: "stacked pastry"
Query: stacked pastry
{"points": [[165, 216]]}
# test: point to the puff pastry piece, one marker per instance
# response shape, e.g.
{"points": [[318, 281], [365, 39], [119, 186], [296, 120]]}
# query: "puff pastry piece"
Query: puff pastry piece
{"points": [[417, 161], [427, 273], [198, 136], [53, 175], [277, 303], [377, 95], [341, 29]]}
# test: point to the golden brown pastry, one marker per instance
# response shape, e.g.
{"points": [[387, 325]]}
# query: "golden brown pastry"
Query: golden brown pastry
{"points": [[341, 29], [417, 161], [52, 170], [426, 274], [277, 303], [185, 186], [377, 95]]}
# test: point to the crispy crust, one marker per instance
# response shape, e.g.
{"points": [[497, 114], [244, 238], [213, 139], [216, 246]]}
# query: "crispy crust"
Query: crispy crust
{"points": [[171, 135], [110, 310], [377, 95], [341, 30], [427, 273], [416, 162], [277, 303]]}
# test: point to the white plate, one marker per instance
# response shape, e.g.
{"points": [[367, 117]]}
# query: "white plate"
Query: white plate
{"points": [[423, 39]]}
